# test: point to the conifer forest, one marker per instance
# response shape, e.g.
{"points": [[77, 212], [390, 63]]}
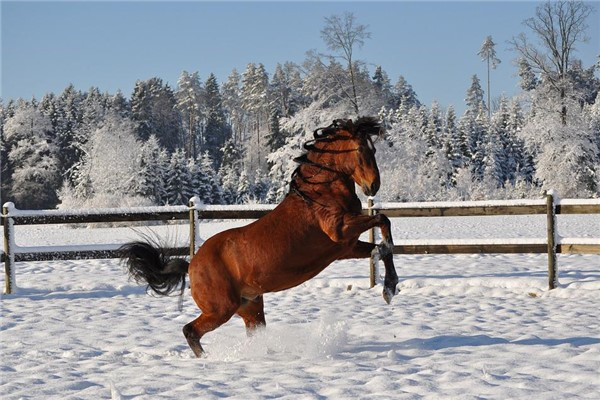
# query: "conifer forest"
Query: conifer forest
{"points": [[234, 142]]}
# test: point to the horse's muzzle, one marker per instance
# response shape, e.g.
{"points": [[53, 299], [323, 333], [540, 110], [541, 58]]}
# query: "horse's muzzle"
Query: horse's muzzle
{"points": [[371, 190]]}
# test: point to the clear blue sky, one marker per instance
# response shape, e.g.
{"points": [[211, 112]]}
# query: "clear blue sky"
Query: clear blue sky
{"points": [[434, 45]]}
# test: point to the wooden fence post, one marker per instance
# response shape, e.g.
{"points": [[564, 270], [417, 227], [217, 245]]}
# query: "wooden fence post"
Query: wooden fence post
{"points": [[372, 263], [551, 227], [193, 225], [9, 255]]}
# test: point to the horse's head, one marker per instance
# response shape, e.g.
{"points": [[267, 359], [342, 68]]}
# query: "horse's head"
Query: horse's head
{"points": [[346, 147]]}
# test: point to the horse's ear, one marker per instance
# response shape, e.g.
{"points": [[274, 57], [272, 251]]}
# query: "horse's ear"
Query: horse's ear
{"points": [[345, 124], [350, 126]]}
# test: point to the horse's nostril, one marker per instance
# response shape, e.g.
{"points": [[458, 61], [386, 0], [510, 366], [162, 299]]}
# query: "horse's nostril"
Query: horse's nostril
{"points": [[374, 188]]}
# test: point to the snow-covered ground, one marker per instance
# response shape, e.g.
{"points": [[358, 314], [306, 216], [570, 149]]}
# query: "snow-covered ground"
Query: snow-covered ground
{"points": [[462, 327]]}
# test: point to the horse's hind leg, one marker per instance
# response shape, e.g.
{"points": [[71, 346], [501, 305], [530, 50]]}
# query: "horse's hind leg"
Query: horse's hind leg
{"points": [[205, 323], [253, 314]]}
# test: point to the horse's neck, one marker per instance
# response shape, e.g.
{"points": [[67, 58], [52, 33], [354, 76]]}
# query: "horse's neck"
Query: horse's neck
{"points": [[326, 187]]}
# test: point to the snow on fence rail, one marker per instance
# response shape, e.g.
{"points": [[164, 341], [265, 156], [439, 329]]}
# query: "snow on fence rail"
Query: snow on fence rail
{"points": [[195, 211]]}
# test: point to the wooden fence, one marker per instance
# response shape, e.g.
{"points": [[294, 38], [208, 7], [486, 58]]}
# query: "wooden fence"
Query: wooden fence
{"points": [[195, 212], [549, 206]]}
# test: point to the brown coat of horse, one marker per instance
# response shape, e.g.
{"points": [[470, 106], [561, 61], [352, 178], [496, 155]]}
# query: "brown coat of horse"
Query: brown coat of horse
{"points": [[318, 222]]}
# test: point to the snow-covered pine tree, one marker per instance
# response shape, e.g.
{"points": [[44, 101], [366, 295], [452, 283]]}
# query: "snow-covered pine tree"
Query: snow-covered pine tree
{"points": [[118, 104], [383, 86], [324, 83], [189, 103], [68, 107], [232, 104], [195, 182], [32, 158], [593, 113], [93, 107], [216, 129], [151, 179], [276, 136], [243, 190], [434, 130], [585, 84], [280, 93], [404, 95], [255, 103], [453, 145], [528, 79], [5, 173], [524, 165], [209, 187], [295, 84], [500, 163], [229, 178], [178, 179], [48, 107], [477, 139], [474, 99], [153, 109]]}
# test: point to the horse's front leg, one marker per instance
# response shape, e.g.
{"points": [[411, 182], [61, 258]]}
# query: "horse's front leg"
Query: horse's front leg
{"points": [[352, 226], [385, 252]]}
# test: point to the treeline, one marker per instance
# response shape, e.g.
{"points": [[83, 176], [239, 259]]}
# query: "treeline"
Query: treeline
{"points": [[234, 142]]}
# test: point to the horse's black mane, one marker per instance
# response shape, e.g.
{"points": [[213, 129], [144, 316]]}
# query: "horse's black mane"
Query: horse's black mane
{"points": [[363, 126]]}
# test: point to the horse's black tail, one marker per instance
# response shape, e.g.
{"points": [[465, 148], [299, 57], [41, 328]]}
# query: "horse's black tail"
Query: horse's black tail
{"points": [[151, 264]]}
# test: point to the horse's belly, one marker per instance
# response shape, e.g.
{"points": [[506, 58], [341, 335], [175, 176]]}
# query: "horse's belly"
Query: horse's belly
{"points": [[277, 252], [291, 269]]}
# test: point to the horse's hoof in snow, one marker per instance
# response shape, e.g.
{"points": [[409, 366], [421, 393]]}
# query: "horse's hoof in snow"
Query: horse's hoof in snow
{"points": [[388, 294]]}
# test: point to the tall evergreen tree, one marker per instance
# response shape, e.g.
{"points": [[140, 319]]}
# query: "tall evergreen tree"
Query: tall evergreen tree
{"points": [[454, 146], [434, 129], [232, 103], [216, 131], [189, 104], [528, 79], [255, 103], [488, 53], [69, 121], [404, 95], [281, 93], [153, 109], [209, 187], [474, 97], [118, 104], [152, 175], [383, 86], [179, 189]]}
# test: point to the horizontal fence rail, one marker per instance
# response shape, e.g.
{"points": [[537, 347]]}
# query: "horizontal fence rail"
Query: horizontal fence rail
{"points": [[550, 206], [195, 212]]}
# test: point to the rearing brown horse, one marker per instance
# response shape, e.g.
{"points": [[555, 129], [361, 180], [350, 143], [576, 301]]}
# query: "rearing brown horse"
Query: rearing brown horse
{"points": [[318, 222]]}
